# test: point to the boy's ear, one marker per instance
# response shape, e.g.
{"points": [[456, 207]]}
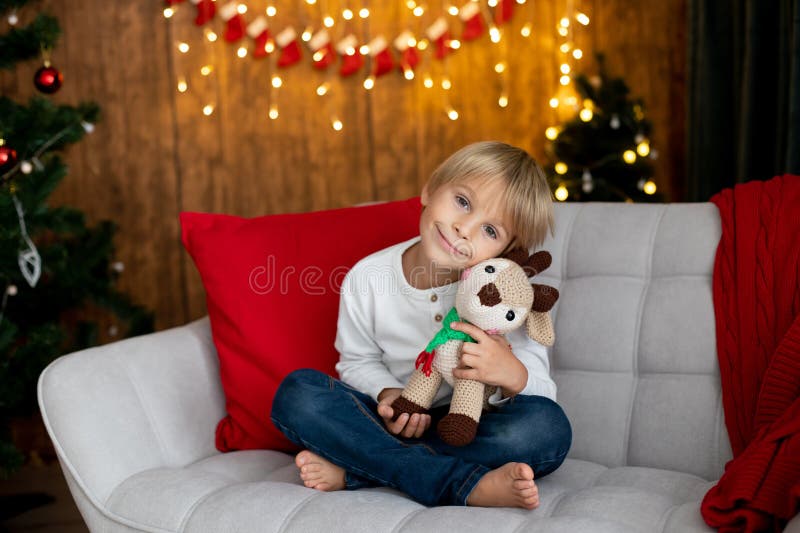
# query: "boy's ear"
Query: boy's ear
{"points": [[424, 197]]}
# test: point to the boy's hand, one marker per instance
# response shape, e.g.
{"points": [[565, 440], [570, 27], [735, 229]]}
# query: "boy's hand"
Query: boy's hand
{"points": [[490, 360], [412, 427]]}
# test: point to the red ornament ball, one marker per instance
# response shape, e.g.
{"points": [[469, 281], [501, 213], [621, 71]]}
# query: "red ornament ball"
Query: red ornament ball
{"points": [[8, 158], [48, 79]]}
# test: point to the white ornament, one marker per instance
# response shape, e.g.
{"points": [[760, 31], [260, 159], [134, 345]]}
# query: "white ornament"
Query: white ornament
{"points": [[11, 290], [118, 266], [13, 19], [113, 330], [88, 127], [29, 260], [639, 138], [26, 167], [588, 182], [640, 184], [653, 154], [614, 122]]}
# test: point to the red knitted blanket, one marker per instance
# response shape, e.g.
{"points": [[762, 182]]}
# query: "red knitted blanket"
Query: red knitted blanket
{"points": [[757, 308]]}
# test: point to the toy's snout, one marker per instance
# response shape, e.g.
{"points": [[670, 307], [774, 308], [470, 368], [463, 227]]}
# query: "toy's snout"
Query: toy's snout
{"points": [[489, 295]]}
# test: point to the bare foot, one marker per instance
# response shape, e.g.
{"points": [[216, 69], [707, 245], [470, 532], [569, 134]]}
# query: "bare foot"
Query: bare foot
{"points": [[511, 485], [318, 473]]}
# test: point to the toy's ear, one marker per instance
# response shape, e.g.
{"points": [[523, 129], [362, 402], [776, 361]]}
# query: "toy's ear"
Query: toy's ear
{"points": [[540, 328]]}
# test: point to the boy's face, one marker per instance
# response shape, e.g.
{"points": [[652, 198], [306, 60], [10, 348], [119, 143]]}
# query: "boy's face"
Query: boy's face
{"points": [[464, 223]]}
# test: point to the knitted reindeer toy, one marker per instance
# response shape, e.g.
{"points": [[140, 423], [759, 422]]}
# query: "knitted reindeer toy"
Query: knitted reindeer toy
{"points": [[496, 296]]}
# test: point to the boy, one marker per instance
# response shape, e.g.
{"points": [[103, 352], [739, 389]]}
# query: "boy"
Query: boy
{"points": [[482, 201]]}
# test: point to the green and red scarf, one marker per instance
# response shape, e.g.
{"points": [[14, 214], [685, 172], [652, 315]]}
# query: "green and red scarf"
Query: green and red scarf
{"points": [[425, 358]]}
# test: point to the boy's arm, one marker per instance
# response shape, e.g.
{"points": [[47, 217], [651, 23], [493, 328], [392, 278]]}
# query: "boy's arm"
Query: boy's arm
{"points": [[534, 356], [360, 357]]}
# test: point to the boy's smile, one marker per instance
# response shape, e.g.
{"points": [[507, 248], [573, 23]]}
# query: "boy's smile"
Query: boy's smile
{"points": [[461, 224]]}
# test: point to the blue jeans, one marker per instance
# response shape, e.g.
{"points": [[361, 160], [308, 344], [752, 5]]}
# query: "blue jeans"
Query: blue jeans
{"points": [[335, 421]]}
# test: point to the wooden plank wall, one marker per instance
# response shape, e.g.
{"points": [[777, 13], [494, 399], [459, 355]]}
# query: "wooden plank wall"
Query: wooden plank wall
{"points": [[155, 154]]}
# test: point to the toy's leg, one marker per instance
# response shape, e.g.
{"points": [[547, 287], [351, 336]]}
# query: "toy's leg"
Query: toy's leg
{"points": [[459, 426], [418, 395]]}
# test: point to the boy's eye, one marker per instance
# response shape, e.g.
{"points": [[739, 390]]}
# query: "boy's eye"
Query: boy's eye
{"points": [[491, 232], [461, 201]]}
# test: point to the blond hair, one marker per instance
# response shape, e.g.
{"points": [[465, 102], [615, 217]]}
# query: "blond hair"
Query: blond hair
{"points": [[527, 194]]}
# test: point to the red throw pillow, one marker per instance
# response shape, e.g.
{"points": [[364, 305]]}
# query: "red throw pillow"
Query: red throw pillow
{"points": [[272, 292]]}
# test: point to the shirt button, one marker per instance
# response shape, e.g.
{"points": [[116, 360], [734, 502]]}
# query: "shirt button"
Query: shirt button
{"points": [[434, 297], [438, 318]]}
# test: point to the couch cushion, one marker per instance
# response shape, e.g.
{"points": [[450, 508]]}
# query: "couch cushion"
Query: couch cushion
{"points": [[635, 355], [272, 292], [260, 491]]}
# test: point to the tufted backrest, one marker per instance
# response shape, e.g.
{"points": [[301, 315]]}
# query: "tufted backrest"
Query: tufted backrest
{"points": [[635, 353]]}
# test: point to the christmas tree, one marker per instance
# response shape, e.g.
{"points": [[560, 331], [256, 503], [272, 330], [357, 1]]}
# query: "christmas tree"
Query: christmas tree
{"points": [[57, 275], [603, 152]]}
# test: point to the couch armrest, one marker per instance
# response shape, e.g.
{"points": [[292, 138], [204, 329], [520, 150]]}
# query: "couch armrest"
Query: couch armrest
{"points": [[793, 526], [137, 404]]}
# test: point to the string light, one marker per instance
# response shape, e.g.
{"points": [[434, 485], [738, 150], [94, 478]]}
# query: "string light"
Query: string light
{"points": [[277, 82], [551, 133], [565, 68], [272, 11], [500, 67], [455, 44], [629, 156], [306, 35], [241, 52], [554, 103], [649, 187], [363, 13], [337, 124], [561, 193], [502, 101], [452, 114], [453, 10], [643, 149], [182, 86], [328, 21], [564, 48], [564, 80], [242, 9], [273, 112], [577, 53], [168, 12], [586, 114], [428, 82], [208, 109], [211, 36], [447, 84], [322, 90], [526, 30], [347, 14], [561, 168], [183, 47], [582, 18], [205, 70], [494, 34], [369, 83], [408, 74], [363, 50]]}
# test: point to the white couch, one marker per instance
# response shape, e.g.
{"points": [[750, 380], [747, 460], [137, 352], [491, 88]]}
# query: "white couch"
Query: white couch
{"points": [[635, 363]]}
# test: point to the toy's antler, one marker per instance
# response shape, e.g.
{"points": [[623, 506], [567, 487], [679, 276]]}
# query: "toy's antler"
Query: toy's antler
{"points": [[539, 325]]}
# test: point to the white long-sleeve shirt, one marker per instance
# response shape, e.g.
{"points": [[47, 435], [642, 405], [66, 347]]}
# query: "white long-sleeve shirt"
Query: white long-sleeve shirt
{"points": [[384, 323]]}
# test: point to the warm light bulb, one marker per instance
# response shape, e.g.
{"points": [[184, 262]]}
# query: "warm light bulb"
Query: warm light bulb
{"points": [[208, 109], [561, 168], [551, 132], [649, 187], [347, 14], [277, 82], [494, 34], [211, 36], [422, 44], [168, 12], [564, 47], [419, 11], [363, 12], [369, 83], [562, 31], [322, 90], [500, 67], [526, 30], [455, 44], [453, 10], [588, 104], [183, 47], [411, 4], [577, 53], [446, 84], [629, 156], [241, 52], [182, 86], [564, 68], [306, 35], [205, 70], [350, 51], [318, 55], [571, 101], [564, 80], [242, 9], [412, 42], [408, 74], [586, 114], [503, 101], [564, 22], [328, 21], [582, 18], [643, 149], [273, 112], [428, 82], [554, 103], [561, 193], [364, 50], [337, 124], [492, 3], [452, 114], [311, 2], [271, 12], [269, 47]]}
